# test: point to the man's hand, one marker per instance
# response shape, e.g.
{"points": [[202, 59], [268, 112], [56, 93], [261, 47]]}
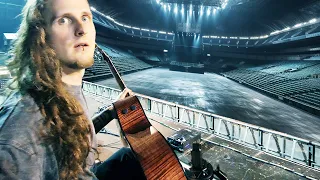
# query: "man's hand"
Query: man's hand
{"points": [[125, 93]]}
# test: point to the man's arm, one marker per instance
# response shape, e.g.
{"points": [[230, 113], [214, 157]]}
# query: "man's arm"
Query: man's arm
{"points": [[102, 119]]}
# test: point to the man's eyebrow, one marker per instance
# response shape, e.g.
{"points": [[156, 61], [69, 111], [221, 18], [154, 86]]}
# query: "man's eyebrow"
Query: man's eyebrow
{"points": [[69, 14], [87, 13]]}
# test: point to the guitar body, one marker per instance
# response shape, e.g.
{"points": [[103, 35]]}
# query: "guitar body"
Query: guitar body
{"points": [[155, 155]]}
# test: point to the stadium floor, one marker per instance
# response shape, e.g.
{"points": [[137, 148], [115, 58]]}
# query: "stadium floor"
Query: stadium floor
{"points": [[222, 96]]}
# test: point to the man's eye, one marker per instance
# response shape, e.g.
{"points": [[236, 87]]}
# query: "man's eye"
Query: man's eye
{"points": [[64, 20], [85, 18]]}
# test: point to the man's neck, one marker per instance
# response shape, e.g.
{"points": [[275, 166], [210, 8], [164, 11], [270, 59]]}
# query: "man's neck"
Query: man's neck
{"points": [[71, 76]]}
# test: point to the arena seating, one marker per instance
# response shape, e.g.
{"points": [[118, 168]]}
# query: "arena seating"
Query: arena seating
{"points": [[310, 98], [123, 61], [294, 79], [315, 57], [294, 87], [153, 58], [283, 66], [147, 55], [302, 73]]}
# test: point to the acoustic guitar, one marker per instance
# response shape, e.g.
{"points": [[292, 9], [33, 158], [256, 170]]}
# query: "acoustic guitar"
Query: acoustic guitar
{"points": [[151, 149]]}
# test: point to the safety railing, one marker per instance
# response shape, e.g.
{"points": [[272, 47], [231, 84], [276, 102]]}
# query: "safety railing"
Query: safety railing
{"points": [[273, 142]]}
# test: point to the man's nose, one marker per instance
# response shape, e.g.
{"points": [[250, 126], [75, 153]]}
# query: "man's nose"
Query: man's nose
{"points": [[80, 31]]}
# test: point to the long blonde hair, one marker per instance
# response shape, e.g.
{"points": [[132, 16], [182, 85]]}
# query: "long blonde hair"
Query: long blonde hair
{"points": [[37, 73]]}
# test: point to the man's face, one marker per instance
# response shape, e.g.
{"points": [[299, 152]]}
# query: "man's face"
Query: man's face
{"points": [[71, 32]]}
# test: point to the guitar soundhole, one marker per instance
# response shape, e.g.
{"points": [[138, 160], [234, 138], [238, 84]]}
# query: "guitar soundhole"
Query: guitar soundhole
{"points": [[124, 111], [133, 107]]}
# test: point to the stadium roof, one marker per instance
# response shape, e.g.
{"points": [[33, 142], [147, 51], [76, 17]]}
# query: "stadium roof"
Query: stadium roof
{"points": [[238, 18], [10, 36]]}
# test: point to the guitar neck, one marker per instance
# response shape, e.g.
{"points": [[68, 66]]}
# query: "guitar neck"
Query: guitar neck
{"points": [[113, 69]]}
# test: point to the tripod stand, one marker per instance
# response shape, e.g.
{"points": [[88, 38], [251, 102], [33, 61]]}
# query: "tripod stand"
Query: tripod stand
{"points": [[201, 169]]}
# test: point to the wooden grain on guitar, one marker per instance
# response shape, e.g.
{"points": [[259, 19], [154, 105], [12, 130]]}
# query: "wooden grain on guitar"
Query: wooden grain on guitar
{"points": [[152, 150]]}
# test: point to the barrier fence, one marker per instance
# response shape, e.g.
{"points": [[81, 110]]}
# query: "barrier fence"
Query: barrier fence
{"points": [[273, 142]]}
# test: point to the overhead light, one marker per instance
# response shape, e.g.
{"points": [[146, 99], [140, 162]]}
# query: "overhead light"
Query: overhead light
{"points": [[208, 55], [110, 18], [224, 4], [274, 32], [243, 37], [298, 25], [255, 37], [92, 8], [165, 50], [208, 11], [118, 23], [313, 21]]}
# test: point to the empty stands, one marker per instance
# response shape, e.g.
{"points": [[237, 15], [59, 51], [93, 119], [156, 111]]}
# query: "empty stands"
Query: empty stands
{"points": [[146, 55], [298, 80], [315, 57], [310, 98], [123, 61]]}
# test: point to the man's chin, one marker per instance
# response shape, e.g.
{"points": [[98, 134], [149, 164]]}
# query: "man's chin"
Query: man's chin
{"points": [[79, 64]]}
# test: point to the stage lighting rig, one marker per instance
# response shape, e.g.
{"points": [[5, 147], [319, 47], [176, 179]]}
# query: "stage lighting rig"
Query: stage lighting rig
{"points": [[214, 3]]}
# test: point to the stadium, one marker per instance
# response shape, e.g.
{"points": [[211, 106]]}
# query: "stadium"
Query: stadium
{"points": [[245, 74]]}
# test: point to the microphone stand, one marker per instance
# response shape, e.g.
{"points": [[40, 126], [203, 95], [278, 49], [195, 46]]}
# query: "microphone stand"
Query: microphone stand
{"points": [[201, 169]]}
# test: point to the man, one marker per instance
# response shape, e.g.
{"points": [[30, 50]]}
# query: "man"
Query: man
{"points": [[45, 132]]}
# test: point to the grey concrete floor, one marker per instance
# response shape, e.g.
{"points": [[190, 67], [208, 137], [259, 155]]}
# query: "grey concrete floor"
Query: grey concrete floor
{"points": [[219, 95]]}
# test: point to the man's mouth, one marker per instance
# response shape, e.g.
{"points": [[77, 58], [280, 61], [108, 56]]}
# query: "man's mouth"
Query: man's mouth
{"points": [[81, 45]]}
